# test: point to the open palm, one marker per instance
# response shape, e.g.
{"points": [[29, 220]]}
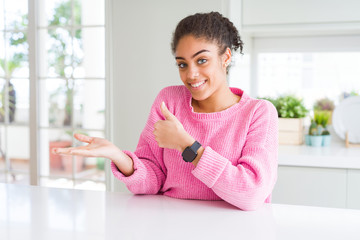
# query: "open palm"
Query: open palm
{"points": [[96, 147]]}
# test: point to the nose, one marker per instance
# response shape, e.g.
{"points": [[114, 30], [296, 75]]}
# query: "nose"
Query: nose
{"points": [[193, 72]]}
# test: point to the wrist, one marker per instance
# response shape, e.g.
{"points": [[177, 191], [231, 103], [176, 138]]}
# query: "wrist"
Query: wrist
{"points": [[188, 141], [197, 159], [124, 163]]}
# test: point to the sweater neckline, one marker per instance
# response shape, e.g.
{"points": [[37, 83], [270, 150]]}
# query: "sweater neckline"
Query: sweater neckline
{"points": [[216, 115]]}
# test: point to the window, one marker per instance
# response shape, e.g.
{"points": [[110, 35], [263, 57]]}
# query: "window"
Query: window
{"points": [[311, 75], [311, 67], [14, 92], [72, 89], [70, 75]]}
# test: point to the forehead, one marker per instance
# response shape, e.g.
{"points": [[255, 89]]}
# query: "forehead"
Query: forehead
{"points": [[188, 45]]}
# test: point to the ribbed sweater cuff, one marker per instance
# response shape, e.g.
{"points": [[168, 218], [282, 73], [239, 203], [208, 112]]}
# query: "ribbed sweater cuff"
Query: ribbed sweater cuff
{"points": [[210, 167], [136, 177]]}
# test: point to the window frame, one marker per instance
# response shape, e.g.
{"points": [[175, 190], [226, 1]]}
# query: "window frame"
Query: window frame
{"points": [[34, 78]]}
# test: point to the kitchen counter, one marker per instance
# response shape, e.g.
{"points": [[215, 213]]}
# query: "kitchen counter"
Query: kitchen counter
{"points": [[334, 156], [29, 212]]}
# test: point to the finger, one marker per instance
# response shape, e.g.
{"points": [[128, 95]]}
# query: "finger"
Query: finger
{"points": [[67, 151], [165, 112], [156, 125], [83, 138], [82, 150]]}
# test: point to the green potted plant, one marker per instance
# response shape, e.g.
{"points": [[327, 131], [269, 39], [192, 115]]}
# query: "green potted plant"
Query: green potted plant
{"points": [[313, 138], [325, 104], [322, 119], [291, 113], [318, 134]]}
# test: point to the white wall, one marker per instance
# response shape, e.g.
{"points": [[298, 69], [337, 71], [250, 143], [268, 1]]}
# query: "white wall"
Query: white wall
{"points": [[310, 17], [142, 62], [264, 12]]}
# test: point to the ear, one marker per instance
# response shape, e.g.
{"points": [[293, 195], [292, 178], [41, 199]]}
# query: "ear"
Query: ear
{"points": [[227, 58]]}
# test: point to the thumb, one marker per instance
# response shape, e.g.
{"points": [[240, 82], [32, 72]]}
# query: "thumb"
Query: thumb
{"points": [[83, 138], [166, 113]]}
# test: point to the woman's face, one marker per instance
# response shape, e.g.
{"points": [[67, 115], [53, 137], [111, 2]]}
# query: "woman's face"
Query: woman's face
{"points": [[201, 68]]}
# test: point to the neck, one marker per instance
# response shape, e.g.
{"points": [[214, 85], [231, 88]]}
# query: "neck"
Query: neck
{"points": [[219, 101]]}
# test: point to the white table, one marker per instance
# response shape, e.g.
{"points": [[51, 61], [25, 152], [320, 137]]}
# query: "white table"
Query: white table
{"points": [[28, 212]]}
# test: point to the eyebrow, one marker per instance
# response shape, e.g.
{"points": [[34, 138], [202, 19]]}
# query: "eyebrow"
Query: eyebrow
{"points": [[201, 51]]}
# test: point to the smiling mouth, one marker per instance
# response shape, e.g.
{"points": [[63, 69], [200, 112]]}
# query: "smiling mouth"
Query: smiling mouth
{"points": [[198, 84]]}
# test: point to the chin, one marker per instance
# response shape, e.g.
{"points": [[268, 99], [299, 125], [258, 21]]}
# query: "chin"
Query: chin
{"points": [[200, 97]]}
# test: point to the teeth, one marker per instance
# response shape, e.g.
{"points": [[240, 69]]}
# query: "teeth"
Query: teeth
{"points": [[198, 84]]}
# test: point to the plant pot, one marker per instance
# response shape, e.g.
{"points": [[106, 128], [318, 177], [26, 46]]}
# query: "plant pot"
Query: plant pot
{"points": [[326, 140], [55, 159], [316, 141], [67, 161], [291, 131], [320, 129]]}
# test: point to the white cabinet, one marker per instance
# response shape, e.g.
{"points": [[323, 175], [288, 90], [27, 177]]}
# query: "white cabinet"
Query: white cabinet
{"points": [[313, 186], [264, 12], [353, 195]]}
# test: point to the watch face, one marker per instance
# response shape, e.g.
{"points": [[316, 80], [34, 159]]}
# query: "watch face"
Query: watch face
{"points": [[189, 155]]}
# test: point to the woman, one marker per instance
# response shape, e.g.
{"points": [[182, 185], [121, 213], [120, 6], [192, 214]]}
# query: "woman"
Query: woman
{"points": [[202, 140]]}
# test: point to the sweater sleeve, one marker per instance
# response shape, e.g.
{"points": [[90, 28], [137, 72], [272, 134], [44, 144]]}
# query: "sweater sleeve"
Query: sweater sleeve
{"points": [[249, 183], [150, 172]]}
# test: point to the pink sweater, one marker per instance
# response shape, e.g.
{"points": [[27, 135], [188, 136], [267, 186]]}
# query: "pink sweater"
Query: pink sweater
{"points": [[238, 165]]}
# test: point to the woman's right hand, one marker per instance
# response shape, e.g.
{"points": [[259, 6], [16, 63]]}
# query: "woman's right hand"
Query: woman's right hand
{"points": [[100, 147]]}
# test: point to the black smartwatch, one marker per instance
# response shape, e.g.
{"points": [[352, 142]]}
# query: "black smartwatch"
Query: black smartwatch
{"points": [[190, 153]]}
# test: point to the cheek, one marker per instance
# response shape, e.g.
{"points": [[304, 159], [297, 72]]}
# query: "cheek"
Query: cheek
{"points": [[214, 70], [182, 76], [219, 71], [211, 73]]}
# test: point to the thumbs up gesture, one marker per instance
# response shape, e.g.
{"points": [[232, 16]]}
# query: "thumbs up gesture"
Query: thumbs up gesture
{"points": [[170, 133]]}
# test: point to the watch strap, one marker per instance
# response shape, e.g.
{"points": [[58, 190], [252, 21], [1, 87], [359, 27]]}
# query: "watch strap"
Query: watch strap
{"points": [[195, 146]]}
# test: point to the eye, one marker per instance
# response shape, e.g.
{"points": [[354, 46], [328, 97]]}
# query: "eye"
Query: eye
{"points": [[181, 65], [202, 61]]}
